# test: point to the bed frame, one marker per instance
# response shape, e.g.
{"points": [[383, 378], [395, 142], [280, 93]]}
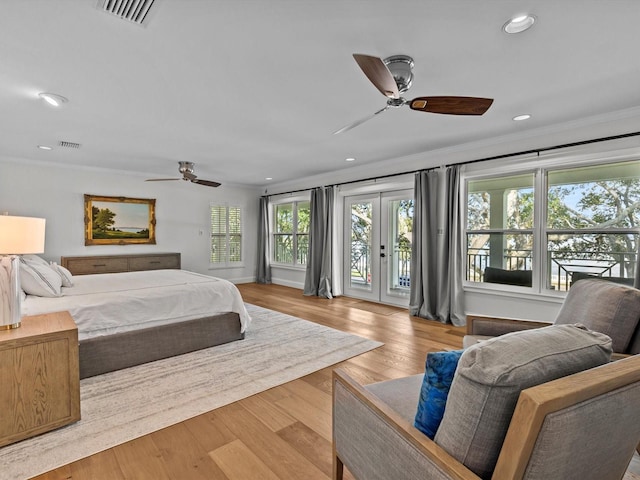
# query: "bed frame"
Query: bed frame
{"points": [[122, 350]]}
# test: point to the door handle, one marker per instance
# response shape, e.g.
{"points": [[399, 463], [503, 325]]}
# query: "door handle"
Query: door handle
{"points": [[382, 255]]}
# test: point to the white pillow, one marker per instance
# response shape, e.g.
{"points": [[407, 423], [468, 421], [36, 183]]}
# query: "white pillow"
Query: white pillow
{"points": [[65, 275], [34, 259], [39, 280]]}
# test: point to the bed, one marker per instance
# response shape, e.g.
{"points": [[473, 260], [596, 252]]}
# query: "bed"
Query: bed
{"points": [[133, 317]]}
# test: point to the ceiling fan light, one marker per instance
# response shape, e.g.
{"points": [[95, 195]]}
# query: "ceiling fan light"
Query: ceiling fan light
{"points": [[53, 99], [519, 24]]}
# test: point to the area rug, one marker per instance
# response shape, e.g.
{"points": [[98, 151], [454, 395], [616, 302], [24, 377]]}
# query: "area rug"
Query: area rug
{"points": [[119, 406]]}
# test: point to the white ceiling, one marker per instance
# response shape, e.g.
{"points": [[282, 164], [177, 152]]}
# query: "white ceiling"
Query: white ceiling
{"points": [[249, 89]]}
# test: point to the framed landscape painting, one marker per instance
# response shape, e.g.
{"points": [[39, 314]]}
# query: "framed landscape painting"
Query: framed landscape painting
{"points": [[119, 220]]}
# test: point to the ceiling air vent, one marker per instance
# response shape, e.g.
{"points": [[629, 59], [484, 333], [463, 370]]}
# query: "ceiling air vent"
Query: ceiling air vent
{"points": [[134, 11], [62, 143]]}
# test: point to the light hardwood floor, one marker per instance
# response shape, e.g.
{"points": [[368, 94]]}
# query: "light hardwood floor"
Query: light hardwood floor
{"points": [[284, 432]]}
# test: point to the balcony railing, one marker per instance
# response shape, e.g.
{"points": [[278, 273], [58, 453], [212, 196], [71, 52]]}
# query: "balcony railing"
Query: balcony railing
{"points": [[360, 263], [618, 266], [399, 265]]}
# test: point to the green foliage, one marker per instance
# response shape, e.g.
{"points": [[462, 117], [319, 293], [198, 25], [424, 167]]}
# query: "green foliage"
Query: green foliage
{"points": [[103, 220], [478, 210], [115, 234], [404, 220], [361, 218]]}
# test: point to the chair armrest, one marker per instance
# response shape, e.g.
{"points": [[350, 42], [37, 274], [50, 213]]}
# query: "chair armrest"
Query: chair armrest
{"points": [[619, 356], [376, 443], [495, 326]]}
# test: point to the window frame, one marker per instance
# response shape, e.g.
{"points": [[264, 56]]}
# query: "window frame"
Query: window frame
{"points": [[293, 201], [540, 166], [535, 255], [227, 263]]}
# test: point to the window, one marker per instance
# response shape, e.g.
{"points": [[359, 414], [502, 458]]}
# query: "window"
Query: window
{"points": [[499, 227], [558, 225], [291, 233], [226, 235], [593, 217]]}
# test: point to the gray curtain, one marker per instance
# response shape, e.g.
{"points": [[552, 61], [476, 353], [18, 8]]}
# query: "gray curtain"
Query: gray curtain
{"points": [[263, 274], [436, 249], [636, 282], [318, 275]]}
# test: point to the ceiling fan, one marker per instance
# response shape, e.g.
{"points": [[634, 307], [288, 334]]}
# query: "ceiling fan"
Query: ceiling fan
{"points": [[394, 75], [186, 169]]}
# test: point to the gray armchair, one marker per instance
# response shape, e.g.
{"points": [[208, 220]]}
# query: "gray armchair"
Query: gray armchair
{"points": [[602, 306], [583, 426]]}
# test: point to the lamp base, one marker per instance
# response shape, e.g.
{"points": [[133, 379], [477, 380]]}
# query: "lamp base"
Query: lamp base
{"points": [[9, 292], [10, 327]]}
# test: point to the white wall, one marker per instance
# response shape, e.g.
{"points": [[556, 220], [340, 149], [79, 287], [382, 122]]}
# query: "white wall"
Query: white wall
{"points": [[182, 212], [289, 277], [512, 305]]}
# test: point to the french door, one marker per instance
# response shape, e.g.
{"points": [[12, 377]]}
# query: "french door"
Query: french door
{"points": [[377, 246]]}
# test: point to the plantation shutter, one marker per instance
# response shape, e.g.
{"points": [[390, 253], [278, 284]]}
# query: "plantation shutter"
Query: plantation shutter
{"points": [[226, 234]]}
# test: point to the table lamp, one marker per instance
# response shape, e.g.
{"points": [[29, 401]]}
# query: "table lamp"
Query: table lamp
{"points": [[18, 236]]}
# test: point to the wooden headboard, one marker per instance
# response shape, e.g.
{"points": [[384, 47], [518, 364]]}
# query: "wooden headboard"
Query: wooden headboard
{"points": [[88, 264]]}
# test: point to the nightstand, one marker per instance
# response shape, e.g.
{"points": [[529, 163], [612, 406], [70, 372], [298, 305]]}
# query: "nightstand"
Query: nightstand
{"points": [[39, 376]]}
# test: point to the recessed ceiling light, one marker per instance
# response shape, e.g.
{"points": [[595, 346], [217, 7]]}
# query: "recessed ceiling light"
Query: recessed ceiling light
{"points": [[519, 24], [268, 178], [44, 147], [53, 99], [519, 118], [350, 159]]}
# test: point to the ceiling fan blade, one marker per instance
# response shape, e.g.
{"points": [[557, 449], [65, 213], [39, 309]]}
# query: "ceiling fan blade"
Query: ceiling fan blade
{"points": [[186, 169], [378, 73], [207, 183], [361, 121], [452, 105]]}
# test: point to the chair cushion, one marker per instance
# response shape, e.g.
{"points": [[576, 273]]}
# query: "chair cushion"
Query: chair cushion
{"points": [[575, 276], [605, 307], [490, 376], [401, 394], [439, 370], [508, 277], [470, 340]]}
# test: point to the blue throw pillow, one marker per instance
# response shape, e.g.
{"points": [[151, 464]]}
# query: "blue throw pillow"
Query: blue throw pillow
{"points": [[439, 371]]}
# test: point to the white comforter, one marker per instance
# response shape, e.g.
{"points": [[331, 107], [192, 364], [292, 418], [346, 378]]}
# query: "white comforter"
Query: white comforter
{"points": [[110, 303]]}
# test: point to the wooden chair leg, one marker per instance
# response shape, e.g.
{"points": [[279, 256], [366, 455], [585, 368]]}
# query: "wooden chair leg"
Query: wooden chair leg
{"points": [[338, 468]]}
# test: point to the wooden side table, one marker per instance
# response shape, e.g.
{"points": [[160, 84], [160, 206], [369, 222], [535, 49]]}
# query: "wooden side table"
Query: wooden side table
{"points": [[39, 376]]}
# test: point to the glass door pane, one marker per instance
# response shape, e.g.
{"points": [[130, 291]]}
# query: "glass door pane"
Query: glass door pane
{"points": [[397, 208], [361, 248]]}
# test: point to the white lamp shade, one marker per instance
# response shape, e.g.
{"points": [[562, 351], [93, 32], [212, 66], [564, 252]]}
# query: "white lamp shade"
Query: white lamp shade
{"points": [[21, 235]]}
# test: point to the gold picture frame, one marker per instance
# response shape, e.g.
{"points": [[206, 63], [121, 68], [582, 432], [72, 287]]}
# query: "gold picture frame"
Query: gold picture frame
{"points": [[119, 220]]}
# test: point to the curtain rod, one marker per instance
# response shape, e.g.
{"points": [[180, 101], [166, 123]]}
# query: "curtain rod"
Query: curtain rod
{"points": [[485, 159]]}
